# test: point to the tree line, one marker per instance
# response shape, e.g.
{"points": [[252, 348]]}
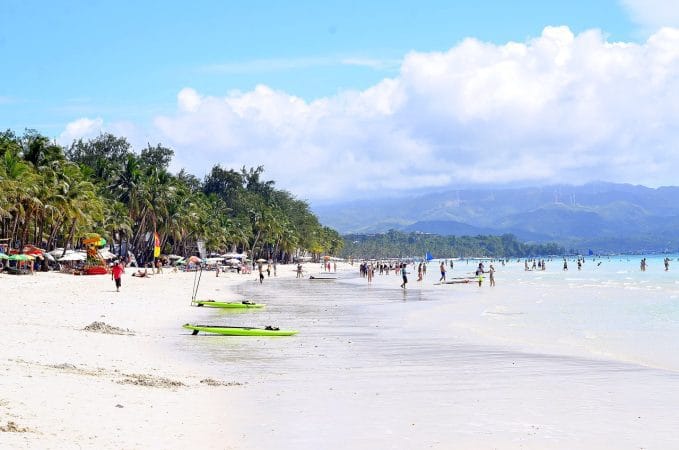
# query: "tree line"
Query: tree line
{"points": [[51, 196], [396, 244]]}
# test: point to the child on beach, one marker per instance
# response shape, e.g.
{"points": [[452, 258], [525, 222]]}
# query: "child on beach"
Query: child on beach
{"points": [[116, 272]]}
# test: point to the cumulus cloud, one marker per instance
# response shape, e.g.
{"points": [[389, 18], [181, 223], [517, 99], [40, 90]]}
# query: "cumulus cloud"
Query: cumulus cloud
{"points": [[81, 128], [653, 14], [85, 128], [557, 108]]}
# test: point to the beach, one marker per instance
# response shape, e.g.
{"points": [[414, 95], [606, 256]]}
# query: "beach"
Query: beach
{"points": [[543, 360]]}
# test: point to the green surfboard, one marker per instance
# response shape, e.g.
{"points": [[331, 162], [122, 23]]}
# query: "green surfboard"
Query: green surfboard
{"points": [[238, 331], [215, 304]]}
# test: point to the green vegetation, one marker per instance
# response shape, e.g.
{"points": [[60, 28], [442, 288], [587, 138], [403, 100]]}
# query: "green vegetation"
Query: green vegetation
{"points": [[395, 244], [51, 196]]}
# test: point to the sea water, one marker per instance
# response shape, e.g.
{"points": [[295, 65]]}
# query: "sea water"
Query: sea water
{"points": [[545, 359]]}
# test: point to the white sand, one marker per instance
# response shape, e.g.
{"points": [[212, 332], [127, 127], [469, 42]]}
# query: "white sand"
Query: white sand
{"points": [[63, 387], [362, 379]]}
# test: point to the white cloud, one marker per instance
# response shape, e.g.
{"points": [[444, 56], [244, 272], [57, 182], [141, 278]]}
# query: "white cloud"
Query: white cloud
{"points": [[557, 108], [653, 14], [81, 128]]}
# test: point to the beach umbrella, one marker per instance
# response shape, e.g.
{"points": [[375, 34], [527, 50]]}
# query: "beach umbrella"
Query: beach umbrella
{"points": [[234, 255], [194, 259], [106, 254], [20, 258], [74, 256], [233, 261], [32, 250], [261, 260]]}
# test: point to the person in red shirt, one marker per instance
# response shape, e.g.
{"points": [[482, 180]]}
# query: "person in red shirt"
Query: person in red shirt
{"points": [[116, 272]]}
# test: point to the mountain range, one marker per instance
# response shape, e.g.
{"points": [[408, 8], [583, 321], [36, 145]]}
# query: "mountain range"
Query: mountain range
{"points": [[603, 217]]}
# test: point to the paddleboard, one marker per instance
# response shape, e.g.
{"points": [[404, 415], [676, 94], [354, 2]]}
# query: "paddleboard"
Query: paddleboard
{"points": [[323, 277], [215, 304], [238, 331]]}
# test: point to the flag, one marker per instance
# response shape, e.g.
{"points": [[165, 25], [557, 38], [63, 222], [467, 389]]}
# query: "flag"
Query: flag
{"points": [[428, 256], [156, 245]]}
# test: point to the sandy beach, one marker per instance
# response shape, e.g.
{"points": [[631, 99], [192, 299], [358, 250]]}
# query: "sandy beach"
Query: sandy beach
{"points": [[85, 366], [373, 367]]}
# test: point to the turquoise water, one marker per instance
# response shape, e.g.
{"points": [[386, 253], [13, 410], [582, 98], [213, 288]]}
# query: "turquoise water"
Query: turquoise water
{"points": [[553, 359]]}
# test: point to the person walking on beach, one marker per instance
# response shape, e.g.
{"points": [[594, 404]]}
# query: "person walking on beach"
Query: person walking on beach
{"points": [[116, 272], [404, 275], [261, 273], [479, 274], [299, 270], [491, 275], [443, 273], [419, 272]]}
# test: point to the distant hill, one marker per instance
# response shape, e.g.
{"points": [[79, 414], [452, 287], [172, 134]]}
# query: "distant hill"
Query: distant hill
{"points": [[605, 217]]}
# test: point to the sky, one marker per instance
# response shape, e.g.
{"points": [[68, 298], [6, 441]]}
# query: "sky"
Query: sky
{"points": [[342, 100]]}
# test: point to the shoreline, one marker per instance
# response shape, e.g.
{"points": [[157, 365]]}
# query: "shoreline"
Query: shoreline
{"points": [[342, 383]]}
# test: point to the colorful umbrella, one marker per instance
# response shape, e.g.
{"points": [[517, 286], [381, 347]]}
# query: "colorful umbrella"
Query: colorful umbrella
{"points": [[20, 258]]}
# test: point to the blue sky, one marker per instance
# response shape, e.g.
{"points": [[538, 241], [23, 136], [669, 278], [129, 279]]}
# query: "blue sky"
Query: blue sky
{"points": [[127, 60], [72, 69]]}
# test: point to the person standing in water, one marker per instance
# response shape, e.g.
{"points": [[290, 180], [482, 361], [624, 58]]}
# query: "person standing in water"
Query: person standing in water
{"points": [[443, 273]]}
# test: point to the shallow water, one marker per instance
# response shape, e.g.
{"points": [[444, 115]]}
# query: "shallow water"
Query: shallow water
{"points": [[548, 359]]}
